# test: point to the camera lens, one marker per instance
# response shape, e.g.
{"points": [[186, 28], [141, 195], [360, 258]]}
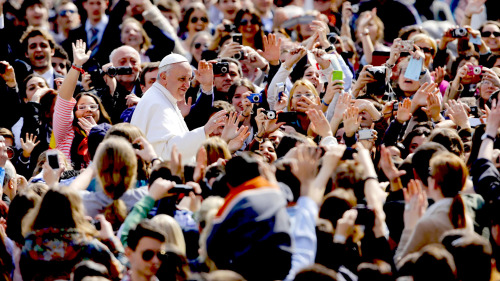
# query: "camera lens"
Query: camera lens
{"points": [[255, 98], [477, 70], [223, 69], [111, 71]]}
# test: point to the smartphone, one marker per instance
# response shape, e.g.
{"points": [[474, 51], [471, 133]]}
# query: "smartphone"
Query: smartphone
{"points": [[376, 88], [365, 134], [53, 159], [474, 111], [280, 88], [366, 216], [96, 224], [181, 189], [229, 27], [395, 106], [337, 75], [287, 117], [188, 173], [237, 37], [3, 68]]}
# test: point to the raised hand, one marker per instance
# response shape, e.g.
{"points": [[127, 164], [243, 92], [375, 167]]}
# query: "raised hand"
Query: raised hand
{"points": [[29, 144], [79, 55], [352, 121], [474, 7], [159, 188], [205, 75], [388, 166], [319, 124], [236, 143], [201, 164], [458, 114], [345, 225], [295, 55], [322, 31], [493, 119], [217, 120], [491, 76], [415, 203], [231, 129], [306, 168], [433, 108], [9, 76], [420, 97], [343, 103], [272, 49], [176, 161], [185, 107]]}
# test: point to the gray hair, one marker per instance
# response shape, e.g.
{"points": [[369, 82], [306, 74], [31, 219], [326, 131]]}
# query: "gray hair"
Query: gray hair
{"points": [[10, 173], [113, 53]]}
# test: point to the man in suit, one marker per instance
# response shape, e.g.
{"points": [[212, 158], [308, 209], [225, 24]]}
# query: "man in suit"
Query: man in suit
{"points": [[100, 31]]}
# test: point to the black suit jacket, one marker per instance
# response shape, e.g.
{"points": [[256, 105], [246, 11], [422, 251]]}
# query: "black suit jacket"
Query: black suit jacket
{"points": [[110, 38]]}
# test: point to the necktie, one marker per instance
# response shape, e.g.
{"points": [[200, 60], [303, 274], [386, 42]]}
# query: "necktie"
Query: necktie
{"points": [[93, 41]]}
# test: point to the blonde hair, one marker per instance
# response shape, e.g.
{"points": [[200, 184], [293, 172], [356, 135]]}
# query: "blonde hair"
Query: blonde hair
{"points": [[301, 82], [421, 37], [216, 148], [116, 165], [378, 22], [174, 232]]}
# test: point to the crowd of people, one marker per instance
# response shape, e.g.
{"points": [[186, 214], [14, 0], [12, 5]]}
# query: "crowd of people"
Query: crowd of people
{"points": [[250, 140]]}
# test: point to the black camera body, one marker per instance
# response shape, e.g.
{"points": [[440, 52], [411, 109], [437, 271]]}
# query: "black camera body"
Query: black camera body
{"points": [[459, 32], [332, 38], [122, 70], [221, 68]]}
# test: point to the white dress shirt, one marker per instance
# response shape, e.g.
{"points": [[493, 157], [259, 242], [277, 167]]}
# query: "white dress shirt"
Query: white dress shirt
{"points": [[161, 121]]}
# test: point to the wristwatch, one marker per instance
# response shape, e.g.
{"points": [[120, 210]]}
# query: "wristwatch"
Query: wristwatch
{"points": [[486, 136]]}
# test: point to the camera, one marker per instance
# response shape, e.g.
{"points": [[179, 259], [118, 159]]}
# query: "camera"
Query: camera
{"points": [[221, 68], [332, 38], [407, 45], [366, 216], [53, 159], [376, 88], [181, 189], [239, 56], [255, 98], [365, 134], [459, 32], [395, 106], [355, 8], [3, 68], [270, 114], [474, 70], [122, 70], [229, 27]]}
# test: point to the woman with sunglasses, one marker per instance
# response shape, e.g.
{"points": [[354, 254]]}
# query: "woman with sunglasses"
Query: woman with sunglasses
{"points": [[58, 237], [490, 33], [248, 23], [194, 20], [199, 44], [74, 117]]}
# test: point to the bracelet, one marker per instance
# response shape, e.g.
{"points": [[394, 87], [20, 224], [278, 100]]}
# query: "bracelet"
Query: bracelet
{"points": [[339, 238], [371, 178], [156, 159], [78, 68], [324, 103]]}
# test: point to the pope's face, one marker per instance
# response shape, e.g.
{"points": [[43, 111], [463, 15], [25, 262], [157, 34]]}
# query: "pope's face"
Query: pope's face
{"points": [[177, 80]]}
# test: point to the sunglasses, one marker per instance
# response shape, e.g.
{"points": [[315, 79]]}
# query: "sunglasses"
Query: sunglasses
{"points": [[252, 21], [195, 19], [91, 107], [61, 65], [64, 13], [149, 254], [199, 45], [427, 50], [488, 34]]}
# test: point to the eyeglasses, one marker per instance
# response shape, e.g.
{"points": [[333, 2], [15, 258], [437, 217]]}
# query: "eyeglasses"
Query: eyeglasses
{"points": [[149, 254], [252, 21], [307, 95], [198, 45], [91, 107], [195, 19], [488, 34], [427, 50], [64, 13]]}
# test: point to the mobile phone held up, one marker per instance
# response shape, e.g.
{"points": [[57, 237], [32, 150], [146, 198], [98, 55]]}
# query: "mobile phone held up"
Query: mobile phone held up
{"points": [[53, 159]]}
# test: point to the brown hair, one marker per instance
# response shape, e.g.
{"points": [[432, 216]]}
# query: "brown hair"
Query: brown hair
{"points": [[36, 31], [450, 174], [146, 41], [216, 148], [116, 166]]}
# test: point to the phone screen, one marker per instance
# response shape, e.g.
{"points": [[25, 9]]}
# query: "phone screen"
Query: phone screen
{"points": [[53, 161]]}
